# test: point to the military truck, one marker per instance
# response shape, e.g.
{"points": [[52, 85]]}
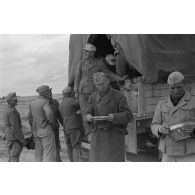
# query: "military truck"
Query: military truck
{"points": [[147, 60]]}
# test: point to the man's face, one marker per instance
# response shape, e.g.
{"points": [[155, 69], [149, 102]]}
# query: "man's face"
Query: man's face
{"points": [[47, 94], [13, 102], [102, 86], [177, 90], [89, 54]]}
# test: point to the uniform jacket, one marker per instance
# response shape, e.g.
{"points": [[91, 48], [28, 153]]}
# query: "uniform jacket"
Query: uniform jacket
{"points": [[40, 116], [84, 75], [112, 102], [13, 130], [169, 115], [54, 105], [68, 108]]}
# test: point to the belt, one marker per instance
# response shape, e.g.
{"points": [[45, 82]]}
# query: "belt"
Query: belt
{"points": [[104, 129]]}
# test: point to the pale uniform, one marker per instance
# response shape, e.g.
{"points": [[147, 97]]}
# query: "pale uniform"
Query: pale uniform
{"points": [[41, 119], [167, 114]]}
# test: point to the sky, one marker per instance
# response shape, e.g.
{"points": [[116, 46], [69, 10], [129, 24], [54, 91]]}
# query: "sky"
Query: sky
{"points": [[28, 61]]}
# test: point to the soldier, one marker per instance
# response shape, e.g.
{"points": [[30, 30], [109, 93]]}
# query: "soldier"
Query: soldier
{"points": [[13, 130], [107, 137], [54, 105], [177, 107], [72, 123], [83, 84], [41, 119]]}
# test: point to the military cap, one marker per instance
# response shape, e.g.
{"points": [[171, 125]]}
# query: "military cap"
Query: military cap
{"points": [[43, 88], [111, 59], [66, 90], [175, 78], [90, 47], [11, 96], [99, 76]]}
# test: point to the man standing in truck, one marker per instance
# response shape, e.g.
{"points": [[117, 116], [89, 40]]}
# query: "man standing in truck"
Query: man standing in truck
{"points": [[83, 83], [107, 135], [178, 107]]}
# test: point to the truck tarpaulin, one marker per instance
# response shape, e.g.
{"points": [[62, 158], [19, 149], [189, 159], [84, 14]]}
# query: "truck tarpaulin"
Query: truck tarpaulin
{"points": [[151, 55]]}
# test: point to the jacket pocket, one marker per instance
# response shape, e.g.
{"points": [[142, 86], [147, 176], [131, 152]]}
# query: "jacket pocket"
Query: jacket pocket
{"points": [[185, 114], [165, 113], [44, 132]]}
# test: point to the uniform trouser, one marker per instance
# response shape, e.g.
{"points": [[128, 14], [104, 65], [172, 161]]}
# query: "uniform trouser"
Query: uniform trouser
{"points": [[58, 146], [183, 158], [107, 146], [45, 147], [14, 150], [83, 99], [73, 142]]}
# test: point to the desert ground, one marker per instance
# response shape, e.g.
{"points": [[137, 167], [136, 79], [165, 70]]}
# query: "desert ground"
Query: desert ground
{"points": [[23, 109]]}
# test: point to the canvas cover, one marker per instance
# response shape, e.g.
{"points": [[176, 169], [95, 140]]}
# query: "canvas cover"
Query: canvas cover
{"points": [[151, 55]]}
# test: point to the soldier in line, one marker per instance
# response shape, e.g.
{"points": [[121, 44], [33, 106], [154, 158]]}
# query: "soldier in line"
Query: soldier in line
{"points": [[107, 137], [41, 119], [176, 108], [13, 130], [54, 105], [83, 83], [72, 123]]}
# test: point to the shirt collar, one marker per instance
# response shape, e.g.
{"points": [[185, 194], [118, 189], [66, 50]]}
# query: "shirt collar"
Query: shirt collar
{"points": [[107, 94]]}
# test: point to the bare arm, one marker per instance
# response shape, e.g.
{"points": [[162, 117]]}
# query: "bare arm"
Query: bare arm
{"points": [[113, 76], [77, 77]]}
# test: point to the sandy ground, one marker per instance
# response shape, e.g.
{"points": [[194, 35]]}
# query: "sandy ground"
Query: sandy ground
{"points": [[26, 155]]}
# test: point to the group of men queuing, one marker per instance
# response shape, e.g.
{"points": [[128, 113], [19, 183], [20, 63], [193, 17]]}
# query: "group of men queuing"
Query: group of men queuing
{"points": [[96, 109], [74, 114], [45, 116], [107, 137]]}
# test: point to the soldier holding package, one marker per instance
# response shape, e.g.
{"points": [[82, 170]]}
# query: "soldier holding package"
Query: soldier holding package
{"points": [[13, 130], [178, 107], [107, 136]]}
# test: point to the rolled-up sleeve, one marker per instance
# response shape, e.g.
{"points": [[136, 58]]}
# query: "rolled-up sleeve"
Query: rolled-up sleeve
{"points": [[113, 77], [77, 77]]}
